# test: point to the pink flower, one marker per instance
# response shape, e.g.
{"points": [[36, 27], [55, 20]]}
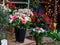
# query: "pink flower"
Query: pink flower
{"points": [[38, 28], [24, 21], [22, 15], [14, 17], [28, 13]]}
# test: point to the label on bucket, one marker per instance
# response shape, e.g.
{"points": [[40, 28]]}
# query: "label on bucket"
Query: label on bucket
{"points": [[4, 42]]}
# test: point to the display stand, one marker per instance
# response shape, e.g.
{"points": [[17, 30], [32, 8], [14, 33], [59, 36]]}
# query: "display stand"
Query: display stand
{"points": [[19, 2]]}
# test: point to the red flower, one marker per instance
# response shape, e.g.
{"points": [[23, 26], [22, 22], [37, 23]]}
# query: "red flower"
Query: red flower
{"points": [[51, 27], [32, 19], [13, 6], [8, 3], [34, 24], [34, 14], [39, 14], [45, 16], [50, 20], [38, 21], [47, 21]]}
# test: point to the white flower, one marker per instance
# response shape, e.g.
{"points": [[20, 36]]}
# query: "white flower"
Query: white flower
{"points": [[14, 10], [9, 10], [39, 31], [17, 13], [10, 16], [42, 30], [20, 18], [20, 10], [10, 21], [26, 10], [34, 30], [27, 18]]}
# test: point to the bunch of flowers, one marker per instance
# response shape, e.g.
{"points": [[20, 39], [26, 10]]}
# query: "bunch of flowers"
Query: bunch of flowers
{"points": [[42, 20], [38, 34], [21, 18], [38, 30]]}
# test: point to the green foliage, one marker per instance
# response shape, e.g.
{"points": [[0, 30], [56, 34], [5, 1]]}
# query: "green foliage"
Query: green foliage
{"points": [[3, 16], [34, 3], [55, 36]]}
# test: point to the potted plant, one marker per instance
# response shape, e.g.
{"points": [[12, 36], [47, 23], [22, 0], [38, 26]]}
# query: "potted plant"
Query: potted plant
{"points": [[38, 34], [20, 20]]}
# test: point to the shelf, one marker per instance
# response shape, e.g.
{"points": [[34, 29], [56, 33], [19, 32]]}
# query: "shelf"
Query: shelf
{"points": [[19, 2]]}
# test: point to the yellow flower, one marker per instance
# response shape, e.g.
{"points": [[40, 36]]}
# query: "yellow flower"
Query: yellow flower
{"points": [[55, 24], [55, 31]]}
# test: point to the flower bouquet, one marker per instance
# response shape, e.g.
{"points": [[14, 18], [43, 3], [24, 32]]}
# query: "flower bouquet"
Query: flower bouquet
{"points": [[20, 20], [38, 34], [42, 20]]}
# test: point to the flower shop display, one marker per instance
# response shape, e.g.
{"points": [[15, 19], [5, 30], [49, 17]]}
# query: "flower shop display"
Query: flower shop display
{"points": [[45, 22], [20, 20], [38, 34]]}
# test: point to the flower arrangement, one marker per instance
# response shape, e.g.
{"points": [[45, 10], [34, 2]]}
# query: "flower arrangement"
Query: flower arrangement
{"points": [[38, 34], [37, 31], [42, 20], [21, 18]]}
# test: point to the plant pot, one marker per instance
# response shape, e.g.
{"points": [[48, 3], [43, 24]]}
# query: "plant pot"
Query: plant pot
{"points": [[20, 35]]}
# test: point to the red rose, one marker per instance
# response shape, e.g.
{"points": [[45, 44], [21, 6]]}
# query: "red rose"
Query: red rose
{"points": [[13, 6], [50, 20], [39, 15], [47, 21], [34, 14], [38, 21], [8, 3], [45, 16], [34, 24], [32, 19]]}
